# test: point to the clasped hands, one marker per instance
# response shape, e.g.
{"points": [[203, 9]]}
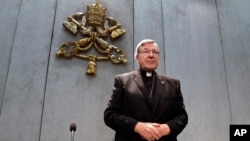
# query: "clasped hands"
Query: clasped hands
{"points": [[151, 131]]}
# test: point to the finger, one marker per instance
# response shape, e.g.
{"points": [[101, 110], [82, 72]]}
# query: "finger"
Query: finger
{"points": [[156, 124], [156, 134]]}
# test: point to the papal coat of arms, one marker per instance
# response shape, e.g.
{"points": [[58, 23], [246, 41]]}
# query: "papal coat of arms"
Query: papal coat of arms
{"points": [[95, 27]]}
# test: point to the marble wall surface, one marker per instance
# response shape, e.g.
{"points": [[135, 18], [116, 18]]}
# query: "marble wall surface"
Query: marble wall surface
{"points": [[204, 43]]}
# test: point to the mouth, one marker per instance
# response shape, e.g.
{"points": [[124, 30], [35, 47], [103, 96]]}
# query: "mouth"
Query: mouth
{"points": [[151, 61]]}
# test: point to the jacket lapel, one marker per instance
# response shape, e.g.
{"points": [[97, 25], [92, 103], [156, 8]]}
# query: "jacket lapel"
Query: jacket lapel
{"points": [[158, 92]]}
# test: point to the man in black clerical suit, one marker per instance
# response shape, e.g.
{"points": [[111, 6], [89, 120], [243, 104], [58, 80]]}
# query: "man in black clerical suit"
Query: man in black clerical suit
{"points": [[146, 106]]}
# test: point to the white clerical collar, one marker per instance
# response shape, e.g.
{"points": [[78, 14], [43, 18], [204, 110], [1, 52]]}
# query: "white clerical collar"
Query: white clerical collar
{"points": [[148, 74]]}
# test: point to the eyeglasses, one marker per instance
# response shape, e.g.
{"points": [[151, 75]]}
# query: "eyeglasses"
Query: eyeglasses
{"points": [[147, 52]]}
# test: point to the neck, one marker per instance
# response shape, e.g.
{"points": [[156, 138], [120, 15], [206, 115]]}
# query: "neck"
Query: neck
{"points": [[147, 73]]}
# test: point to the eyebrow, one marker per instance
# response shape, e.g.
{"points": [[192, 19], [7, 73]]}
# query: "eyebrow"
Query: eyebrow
{"points": [[146, 49]]}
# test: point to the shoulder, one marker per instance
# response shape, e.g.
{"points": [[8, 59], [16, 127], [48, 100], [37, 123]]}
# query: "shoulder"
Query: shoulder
{"points": [[165, 77], [169, 80], [126, 75], [125, 78]]}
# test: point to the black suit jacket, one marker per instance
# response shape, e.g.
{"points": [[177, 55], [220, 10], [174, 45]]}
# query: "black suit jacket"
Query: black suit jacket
{"points": [[129, 105]]}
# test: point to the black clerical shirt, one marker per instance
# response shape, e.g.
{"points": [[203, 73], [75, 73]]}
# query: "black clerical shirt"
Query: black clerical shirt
{"points": [[149, 82]]}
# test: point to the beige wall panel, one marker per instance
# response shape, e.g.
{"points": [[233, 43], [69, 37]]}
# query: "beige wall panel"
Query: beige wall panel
{"points": [[24, 92], [235, 30], [8, 21]]}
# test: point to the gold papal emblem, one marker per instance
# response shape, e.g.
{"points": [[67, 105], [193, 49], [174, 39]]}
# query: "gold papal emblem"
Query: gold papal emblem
{"points": [[94, 26]]}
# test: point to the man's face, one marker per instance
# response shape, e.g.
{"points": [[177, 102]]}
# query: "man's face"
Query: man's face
{"points": [[148, 57]]}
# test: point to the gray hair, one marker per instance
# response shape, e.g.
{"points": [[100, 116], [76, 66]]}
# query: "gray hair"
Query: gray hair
{"points": [[142, 43]]}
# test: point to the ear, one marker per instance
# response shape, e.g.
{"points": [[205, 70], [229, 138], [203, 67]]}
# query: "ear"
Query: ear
{"points": [[136, 57]]}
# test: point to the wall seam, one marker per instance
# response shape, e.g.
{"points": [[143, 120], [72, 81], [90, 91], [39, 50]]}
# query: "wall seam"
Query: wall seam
{"points": [[7, 74], [224, 63], [47, 71], [163, 38], [134, 67]]}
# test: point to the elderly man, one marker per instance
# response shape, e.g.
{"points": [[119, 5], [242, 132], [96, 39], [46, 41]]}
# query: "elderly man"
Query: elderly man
{"points": [[146, 105]]}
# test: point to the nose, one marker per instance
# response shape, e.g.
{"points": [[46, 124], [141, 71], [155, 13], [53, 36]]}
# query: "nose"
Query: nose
{"points": [[151, 53]]}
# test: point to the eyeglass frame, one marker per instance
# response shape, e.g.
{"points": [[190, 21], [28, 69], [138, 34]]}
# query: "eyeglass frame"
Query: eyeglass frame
{"points": [[147, 52]]}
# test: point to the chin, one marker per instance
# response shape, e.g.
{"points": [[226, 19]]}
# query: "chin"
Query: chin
{"points": [[150, 69]]}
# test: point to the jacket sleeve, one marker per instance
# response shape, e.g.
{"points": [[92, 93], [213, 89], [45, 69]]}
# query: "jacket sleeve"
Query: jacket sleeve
{"points": [[113, 113], [180, 118]]}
